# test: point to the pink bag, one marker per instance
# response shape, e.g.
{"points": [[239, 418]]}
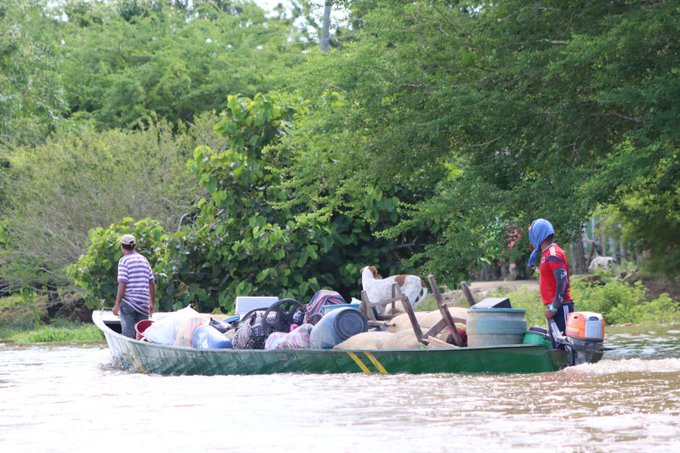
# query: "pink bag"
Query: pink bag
{"points": [[297, 339]]}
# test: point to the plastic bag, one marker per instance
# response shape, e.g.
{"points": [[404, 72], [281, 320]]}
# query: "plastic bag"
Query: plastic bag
{"points": [[297, 339], [164, 330], [185, 330]]}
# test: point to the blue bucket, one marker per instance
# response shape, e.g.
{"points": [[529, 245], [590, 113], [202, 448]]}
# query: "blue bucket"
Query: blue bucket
{"points": [[336, 326], [495, 326]]}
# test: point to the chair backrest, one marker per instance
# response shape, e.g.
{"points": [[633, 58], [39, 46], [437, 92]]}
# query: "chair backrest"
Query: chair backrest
{"points": [[447, 321], [374, 311]]}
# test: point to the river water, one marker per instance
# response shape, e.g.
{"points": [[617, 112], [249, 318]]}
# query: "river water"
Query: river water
{"points": [[72, 399]]}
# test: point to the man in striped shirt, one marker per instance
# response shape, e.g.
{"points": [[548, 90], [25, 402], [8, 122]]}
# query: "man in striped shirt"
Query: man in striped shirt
{"points": [[136, 287]]}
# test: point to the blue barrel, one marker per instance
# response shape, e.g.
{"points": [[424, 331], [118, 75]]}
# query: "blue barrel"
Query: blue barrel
{"points": [[208, 337], [336, 326], [495, 326]]}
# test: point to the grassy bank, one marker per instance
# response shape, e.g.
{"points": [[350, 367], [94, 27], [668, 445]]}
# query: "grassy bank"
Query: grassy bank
{"points": [[618, 302], [24, 320], [74, 334]]}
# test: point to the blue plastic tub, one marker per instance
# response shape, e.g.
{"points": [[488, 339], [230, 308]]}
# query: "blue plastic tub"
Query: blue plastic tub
{"points": [[328, 308]]}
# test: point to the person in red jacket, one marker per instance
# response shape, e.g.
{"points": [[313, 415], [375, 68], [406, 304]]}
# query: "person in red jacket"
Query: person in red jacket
{"points": [[553, 273]]}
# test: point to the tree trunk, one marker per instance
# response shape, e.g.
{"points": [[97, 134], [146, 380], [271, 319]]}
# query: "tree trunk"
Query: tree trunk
{"points": [[578, 258], [326, 27]]}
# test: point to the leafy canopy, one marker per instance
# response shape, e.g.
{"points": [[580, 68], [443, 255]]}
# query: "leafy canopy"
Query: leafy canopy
{"points": [[484, 116]]}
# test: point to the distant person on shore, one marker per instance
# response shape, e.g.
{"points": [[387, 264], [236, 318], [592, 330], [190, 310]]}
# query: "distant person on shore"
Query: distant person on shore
{"points": [[136, 298], [553, 273]]}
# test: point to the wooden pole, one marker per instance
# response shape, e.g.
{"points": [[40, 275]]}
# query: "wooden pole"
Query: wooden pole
{"points": [[467, 293], [366, 307], [414, 321]]}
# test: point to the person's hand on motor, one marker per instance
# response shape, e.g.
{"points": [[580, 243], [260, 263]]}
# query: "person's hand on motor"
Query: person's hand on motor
{"points": [[550, 311]]}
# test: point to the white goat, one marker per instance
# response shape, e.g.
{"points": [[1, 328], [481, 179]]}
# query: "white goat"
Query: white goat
{"points": [[601, 262], [380, 289]]}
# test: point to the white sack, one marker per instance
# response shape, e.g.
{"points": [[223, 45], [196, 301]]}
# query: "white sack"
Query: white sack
{"points": [[164, 330]]}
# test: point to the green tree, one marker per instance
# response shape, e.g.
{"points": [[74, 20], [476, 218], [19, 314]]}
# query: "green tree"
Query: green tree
{"points": [[31, 94], [127, 63], [96, 271], [381, 125], [81, 179], [247, 237], [486, 115]]}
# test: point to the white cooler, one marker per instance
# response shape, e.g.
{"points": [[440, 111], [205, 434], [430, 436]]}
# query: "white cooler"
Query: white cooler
{"points": [[244, 304]]}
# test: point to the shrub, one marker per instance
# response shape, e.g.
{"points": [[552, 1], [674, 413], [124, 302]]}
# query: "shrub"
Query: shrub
{"points": [[530, 301], [81, 179], [23, 311], [617, 301], [96, 271]]}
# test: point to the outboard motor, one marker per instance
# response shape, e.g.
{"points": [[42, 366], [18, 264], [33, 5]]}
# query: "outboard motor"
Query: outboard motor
{"points": [[584, 336]]}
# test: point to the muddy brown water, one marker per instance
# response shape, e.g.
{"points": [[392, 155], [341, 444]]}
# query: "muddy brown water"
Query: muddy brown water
{"points": [[72, 399]]}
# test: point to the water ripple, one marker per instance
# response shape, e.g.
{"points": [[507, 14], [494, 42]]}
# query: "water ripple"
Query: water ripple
{"points": [[73, 399]]}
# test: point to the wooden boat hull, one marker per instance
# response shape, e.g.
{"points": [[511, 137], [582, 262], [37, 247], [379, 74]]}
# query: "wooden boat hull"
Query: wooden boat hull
{"points": [[148, 357]]}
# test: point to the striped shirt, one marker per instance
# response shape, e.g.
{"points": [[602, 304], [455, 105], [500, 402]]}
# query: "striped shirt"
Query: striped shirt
{"points": [[134, 270]]}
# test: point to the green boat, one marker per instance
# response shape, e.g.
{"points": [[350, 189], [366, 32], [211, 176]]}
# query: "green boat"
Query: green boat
{"points": [[146, 357]]}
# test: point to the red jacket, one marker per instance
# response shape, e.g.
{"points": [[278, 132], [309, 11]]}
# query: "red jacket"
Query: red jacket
{"points": [[553, 258]]}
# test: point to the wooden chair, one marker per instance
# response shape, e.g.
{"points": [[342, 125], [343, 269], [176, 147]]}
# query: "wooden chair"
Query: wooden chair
{"points": [[368, 308], [429, 338]]}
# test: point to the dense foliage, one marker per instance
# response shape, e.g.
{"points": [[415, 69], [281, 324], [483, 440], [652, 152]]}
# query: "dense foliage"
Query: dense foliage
{"points": [[31, 95], [426, 139], [81, 179], [531, 114], [135, 62], [95, 272]]}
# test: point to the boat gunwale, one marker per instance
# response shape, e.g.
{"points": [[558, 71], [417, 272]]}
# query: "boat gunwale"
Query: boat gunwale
{"points": [[99, 322]]}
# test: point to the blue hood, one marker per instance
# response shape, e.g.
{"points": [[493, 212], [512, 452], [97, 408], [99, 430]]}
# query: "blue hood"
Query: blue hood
{"points": [[540, 229]]}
